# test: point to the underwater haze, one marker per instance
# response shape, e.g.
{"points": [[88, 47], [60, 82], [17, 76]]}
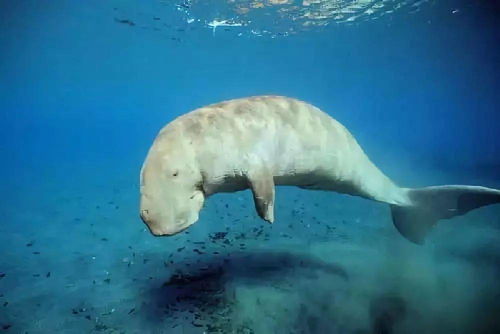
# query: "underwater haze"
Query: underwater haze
{"points": [[85, 86]]}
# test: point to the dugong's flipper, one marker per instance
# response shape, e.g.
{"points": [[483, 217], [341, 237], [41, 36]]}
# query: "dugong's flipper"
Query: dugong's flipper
{"points": [[431, 204], [262, 184]]}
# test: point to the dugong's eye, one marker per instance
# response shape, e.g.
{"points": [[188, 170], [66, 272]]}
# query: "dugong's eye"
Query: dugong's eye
{"points": [[175, 173]]}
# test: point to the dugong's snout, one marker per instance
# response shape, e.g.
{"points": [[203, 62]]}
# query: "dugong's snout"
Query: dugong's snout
{"points": [[156, 227], [161, 225]]}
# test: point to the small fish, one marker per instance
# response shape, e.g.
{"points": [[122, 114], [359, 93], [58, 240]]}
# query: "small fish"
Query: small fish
{"points": [[219, 235], [36, 253], [180, 249], [131, 311], [48, 275], [5, 327], [2, 275], [130, 23], [31, 243], [196, 324]]}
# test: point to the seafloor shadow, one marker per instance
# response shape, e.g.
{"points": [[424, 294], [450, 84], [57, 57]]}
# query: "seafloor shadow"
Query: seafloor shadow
{"points": [[385, 312], [200, 293]]}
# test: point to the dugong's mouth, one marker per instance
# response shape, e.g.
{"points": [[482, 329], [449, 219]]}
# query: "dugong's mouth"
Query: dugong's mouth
{"points": [[164, 230], [162, 233]]}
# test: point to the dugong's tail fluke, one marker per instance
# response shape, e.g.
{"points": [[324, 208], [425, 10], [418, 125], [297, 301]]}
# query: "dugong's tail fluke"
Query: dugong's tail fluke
{"points": [[430, 204]]}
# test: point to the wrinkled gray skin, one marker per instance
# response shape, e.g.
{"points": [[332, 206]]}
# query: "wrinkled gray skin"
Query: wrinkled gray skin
{"points": [[255, 143], [260, 142]]}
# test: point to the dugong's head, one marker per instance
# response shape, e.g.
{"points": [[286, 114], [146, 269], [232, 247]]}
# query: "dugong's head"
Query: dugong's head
{"points": [[171, 188]]}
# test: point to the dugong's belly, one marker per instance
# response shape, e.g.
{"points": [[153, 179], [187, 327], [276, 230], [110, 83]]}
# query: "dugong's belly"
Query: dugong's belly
{"points": [[232, 183], [225, 184]]}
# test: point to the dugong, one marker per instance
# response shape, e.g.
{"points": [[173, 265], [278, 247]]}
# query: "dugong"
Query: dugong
{"points": [[264, 141]]}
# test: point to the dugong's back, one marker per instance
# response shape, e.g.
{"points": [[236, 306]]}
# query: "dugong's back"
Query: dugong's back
{"points": [[285, 134], [262, 113]]}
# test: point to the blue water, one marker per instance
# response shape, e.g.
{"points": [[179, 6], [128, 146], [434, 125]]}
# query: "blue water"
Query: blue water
{"points": [[83, 92]]}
